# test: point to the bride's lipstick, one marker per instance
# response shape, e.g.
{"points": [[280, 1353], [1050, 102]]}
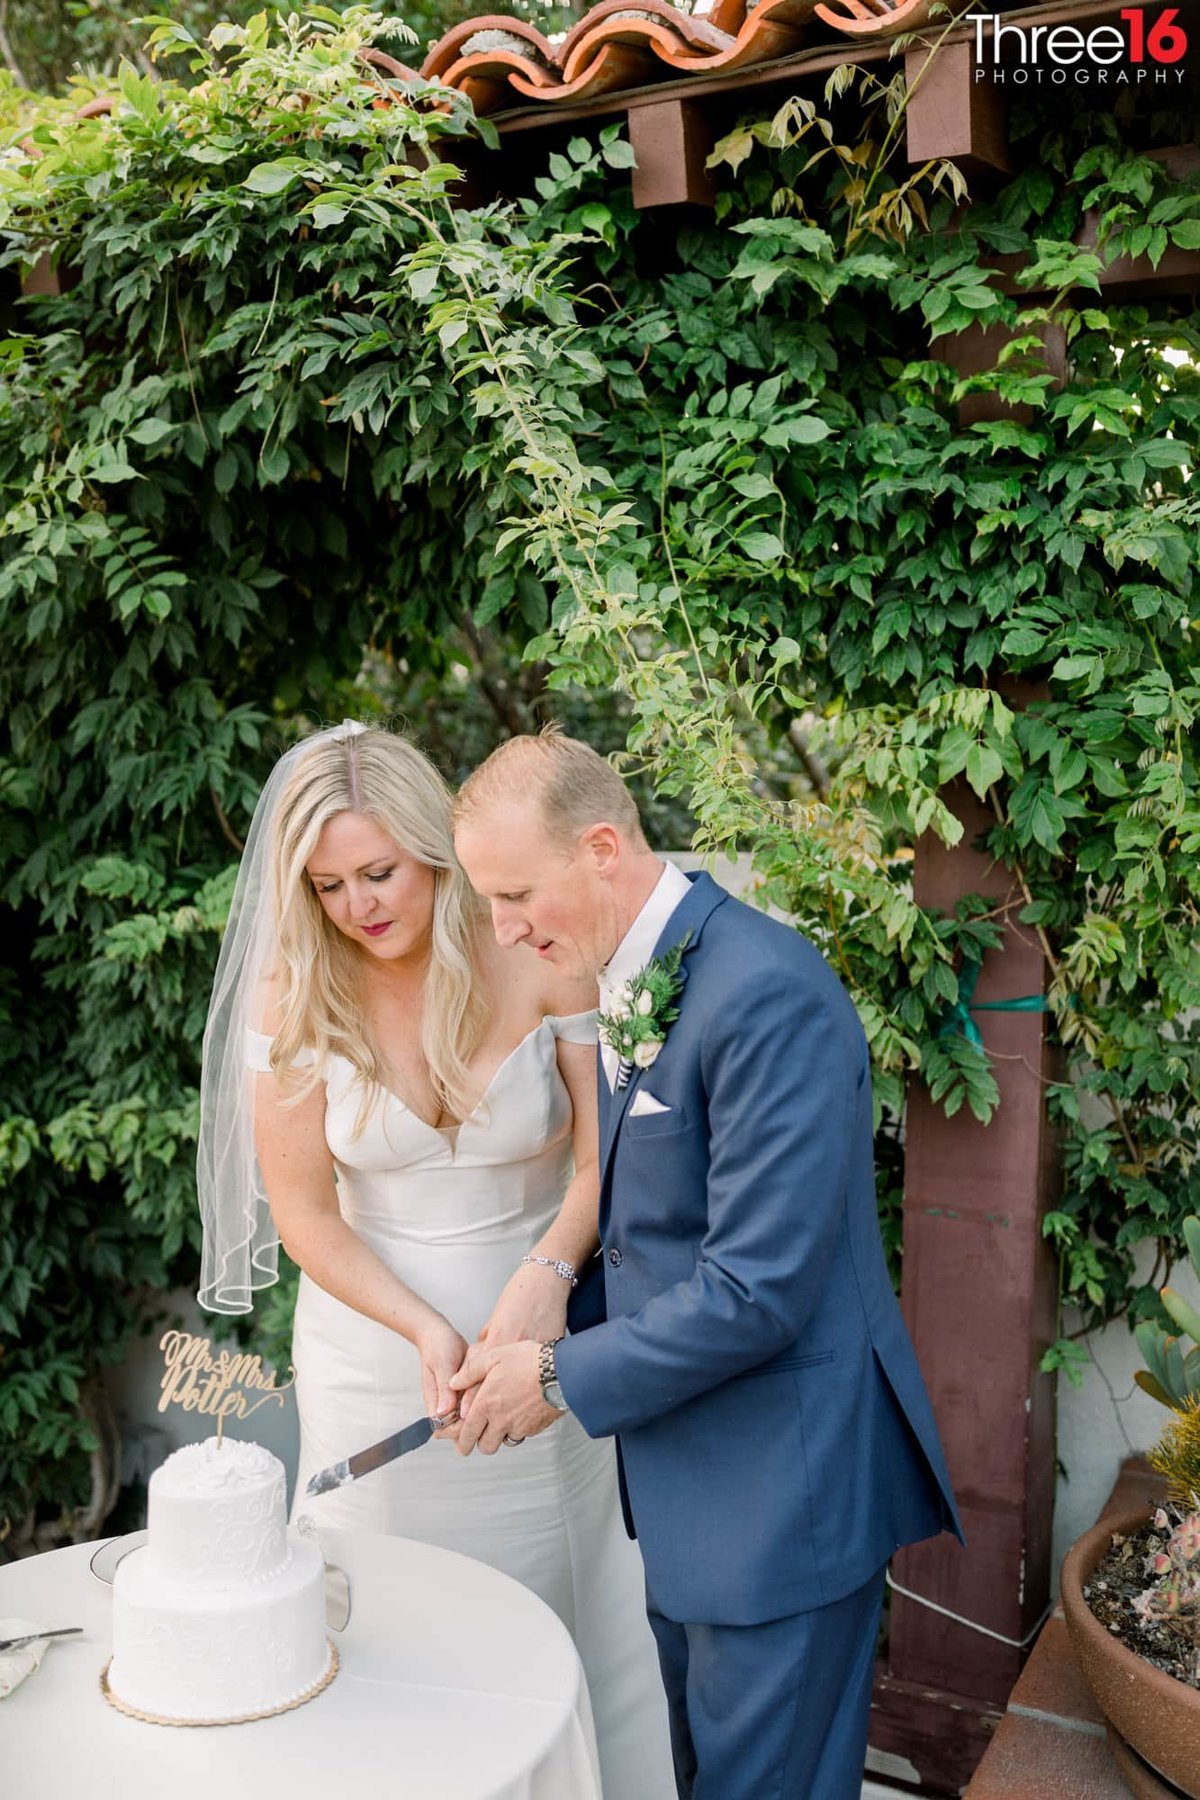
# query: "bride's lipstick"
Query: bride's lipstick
{"points": [[377, 930]]}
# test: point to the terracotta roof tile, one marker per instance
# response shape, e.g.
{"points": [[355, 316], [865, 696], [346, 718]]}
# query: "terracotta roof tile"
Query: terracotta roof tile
{"points": [[875, 17], [498, 60]]}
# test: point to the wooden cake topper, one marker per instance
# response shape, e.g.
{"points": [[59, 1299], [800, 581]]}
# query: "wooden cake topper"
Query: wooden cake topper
{"points": [[225, 1384]]}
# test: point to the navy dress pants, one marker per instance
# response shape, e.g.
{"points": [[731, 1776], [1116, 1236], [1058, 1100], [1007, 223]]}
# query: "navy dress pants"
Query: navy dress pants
{"points": [[776, 1711]]}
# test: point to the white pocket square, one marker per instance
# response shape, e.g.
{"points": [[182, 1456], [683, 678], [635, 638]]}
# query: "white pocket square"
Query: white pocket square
{"points": [[644, 1102]]}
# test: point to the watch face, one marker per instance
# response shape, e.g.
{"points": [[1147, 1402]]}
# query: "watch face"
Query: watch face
{"points": [[553, 1395]]}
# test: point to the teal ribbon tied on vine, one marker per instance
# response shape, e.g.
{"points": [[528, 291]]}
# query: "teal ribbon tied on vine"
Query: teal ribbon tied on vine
{"points": [[958, 1021]]}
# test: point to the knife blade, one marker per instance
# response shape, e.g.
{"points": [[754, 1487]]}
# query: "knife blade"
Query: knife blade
{"points": [[363, 1462]]}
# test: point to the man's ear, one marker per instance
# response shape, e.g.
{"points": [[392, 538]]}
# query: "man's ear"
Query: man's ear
{"points": [[601, 844]]}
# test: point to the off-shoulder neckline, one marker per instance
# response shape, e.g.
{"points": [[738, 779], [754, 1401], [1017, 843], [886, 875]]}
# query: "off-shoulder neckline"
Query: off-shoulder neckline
{"points": [[449, 1134]]}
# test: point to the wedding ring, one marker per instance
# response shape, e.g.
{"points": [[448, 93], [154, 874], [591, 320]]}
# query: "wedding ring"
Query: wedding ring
{"points": [[439, 1421], [512, 1440]]}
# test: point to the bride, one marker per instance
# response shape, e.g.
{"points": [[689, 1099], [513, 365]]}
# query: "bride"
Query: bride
{"points": [[411, 1110]]}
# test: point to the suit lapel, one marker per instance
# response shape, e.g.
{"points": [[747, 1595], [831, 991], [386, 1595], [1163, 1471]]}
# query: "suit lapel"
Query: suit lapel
{"points": [[688, 920]]}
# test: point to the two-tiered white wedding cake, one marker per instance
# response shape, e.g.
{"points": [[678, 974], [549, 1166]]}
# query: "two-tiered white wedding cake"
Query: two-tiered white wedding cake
{"points": [[221, 1616]]}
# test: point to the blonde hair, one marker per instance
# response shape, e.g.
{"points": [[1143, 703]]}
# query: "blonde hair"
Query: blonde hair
{"points": [[318, 974], [576, 787]]}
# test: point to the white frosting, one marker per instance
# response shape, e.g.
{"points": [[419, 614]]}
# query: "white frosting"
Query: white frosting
{"points": [[223, 1612], [215, 1467], [219, 1508]]}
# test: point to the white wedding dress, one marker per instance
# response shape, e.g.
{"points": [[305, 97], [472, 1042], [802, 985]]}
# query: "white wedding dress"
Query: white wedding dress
{"points": [[452, 1212]]}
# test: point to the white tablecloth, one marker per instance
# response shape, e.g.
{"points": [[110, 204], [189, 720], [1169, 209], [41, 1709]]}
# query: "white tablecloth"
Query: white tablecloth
{"points": [[455, 1684]]}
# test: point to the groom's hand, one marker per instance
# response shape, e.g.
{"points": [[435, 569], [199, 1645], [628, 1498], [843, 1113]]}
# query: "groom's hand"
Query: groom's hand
{"points": [[508, 1401]]}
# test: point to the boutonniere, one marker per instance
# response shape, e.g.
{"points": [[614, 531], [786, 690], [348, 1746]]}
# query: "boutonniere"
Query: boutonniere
{"points": [[642, 1012]]}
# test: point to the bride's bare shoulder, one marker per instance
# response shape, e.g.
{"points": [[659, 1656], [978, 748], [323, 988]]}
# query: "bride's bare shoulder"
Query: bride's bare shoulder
{"points": [[267, 1005], [521, 983], [563, 995]]}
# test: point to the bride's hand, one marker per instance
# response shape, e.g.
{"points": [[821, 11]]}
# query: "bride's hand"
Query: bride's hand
{"points": [[532, 1306], [441, 1350]]}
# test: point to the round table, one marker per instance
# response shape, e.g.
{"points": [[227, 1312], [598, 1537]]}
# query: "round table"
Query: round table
{"points": [[456, 1683]]}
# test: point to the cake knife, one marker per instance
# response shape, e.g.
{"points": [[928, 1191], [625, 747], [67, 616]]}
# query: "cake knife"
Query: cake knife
{"points": [[341, 1474], [35, 1637]]}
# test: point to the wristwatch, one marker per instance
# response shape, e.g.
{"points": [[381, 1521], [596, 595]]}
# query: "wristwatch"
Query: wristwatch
{"points": [[552, 1393]]}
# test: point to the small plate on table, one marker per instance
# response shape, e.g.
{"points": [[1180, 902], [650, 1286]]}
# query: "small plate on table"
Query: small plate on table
{"points": [[104, 1561]]}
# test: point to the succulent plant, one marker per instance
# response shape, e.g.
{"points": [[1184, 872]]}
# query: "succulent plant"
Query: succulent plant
{"points": [[1172, 1374], [1173, 1596]]}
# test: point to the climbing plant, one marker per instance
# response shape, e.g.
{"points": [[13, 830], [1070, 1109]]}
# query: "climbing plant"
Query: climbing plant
{"points": [[44, 44], [299, 435], [799, 527]]}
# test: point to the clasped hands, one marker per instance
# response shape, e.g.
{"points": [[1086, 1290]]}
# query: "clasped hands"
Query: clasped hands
{"points": [[494, 1383]]}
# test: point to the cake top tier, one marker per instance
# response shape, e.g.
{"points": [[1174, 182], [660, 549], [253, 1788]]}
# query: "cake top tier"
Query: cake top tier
{"points": [[216, 1467]]}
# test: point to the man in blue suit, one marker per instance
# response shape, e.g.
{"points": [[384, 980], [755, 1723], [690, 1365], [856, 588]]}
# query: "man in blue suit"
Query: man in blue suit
{"points": [[741, 1339]]}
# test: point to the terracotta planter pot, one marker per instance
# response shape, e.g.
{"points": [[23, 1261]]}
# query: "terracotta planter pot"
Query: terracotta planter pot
{"points": [[1137, 1775], [1158, 1715]]}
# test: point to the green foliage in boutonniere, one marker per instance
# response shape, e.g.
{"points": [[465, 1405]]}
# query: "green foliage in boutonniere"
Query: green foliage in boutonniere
{"points": [[643, 1010]]}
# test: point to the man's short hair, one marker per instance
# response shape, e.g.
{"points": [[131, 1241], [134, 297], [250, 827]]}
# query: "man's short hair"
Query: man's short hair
{"points": [[576, 787]]}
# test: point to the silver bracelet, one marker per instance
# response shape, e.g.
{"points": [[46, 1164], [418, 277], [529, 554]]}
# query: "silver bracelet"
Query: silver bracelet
{"points": [[565, 1269]]}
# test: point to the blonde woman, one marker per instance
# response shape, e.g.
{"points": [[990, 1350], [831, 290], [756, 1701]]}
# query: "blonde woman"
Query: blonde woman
{"points": [[411, 1110]]}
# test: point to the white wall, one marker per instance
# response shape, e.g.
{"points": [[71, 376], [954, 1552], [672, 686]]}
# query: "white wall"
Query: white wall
{"points": [[1107, 1418]]}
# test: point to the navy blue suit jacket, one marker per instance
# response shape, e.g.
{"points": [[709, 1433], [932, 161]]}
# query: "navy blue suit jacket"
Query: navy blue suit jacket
{"points": [[776, 1441]]}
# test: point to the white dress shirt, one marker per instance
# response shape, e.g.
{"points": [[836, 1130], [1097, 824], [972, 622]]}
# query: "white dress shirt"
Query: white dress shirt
{"points": [[637, 947]]}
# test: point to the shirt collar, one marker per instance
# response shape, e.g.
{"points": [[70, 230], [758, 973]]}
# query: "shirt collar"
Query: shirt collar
{"points": [[637, 946]]}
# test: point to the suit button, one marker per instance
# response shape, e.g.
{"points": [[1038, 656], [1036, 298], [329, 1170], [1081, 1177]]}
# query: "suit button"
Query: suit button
{"points": [[614, 1257]]}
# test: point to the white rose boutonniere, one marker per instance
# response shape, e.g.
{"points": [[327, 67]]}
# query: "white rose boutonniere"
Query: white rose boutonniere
{"points": [[639, 1014]]}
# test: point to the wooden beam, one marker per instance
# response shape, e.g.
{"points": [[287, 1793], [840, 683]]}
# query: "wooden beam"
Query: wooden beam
{"points": [[942, 1735], [1178, 271], [671, 142], [951, 116], [43, 277], [1127, 277], [976, 349]]}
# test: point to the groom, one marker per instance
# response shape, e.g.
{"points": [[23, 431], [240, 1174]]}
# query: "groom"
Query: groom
{"points": [[775, 1440]]}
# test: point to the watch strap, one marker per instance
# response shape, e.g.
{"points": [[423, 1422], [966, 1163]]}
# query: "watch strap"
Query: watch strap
{"points": [[546, 1369]]}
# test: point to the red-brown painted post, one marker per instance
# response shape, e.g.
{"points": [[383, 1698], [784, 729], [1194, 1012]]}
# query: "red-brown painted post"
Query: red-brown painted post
{"points": [[980, 1299]]}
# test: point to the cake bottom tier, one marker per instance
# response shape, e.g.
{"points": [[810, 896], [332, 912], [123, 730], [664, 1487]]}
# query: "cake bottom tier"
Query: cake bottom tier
{"points": [[186, 1650]]}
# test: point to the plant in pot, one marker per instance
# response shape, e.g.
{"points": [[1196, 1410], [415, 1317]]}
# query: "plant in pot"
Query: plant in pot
{"points": [[1131, 1585]]}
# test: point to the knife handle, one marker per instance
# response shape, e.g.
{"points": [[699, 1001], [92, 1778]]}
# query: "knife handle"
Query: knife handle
{"points": [[36, 1637]]}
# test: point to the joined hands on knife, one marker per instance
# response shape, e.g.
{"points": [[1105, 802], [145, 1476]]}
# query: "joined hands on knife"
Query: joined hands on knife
{"points": [[499, 1372], [496, 1394]]}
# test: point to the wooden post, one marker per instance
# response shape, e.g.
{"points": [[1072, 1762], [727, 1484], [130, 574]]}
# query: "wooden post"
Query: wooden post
{"points": [[980, 1300]]}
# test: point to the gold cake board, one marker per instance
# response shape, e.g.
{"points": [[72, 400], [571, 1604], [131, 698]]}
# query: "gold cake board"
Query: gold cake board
{"points": [[134, 1712]]}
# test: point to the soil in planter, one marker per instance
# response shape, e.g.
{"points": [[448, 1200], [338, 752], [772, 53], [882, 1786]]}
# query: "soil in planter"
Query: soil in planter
{"points": [[1117, 1582]]}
